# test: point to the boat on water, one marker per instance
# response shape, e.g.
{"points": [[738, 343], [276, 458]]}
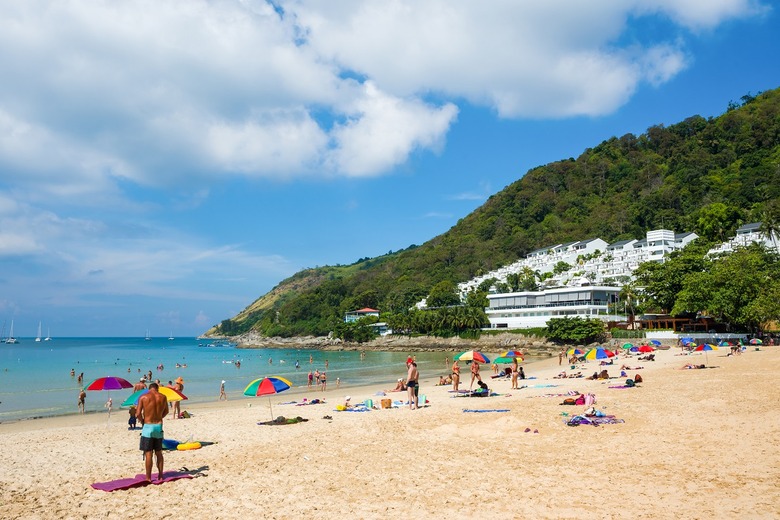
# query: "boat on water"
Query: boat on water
{"points": [[48, 335], [171, 338], [38, 337], [11, 339], [148, 338]]}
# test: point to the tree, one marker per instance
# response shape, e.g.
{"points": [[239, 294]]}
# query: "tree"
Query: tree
{"points": [[734, 288], [770, 223], [477, 299], [443, 294], [561, 267], [661, 283], [716, 221], [579, 330]]}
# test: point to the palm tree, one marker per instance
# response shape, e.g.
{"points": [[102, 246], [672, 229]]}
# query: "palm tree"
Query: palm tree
{"points": [[770, 224]]}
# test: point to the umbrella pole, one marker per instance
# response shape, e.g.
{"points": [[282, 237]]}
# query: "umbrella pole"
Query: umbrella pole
{"points": [[270, 407]]}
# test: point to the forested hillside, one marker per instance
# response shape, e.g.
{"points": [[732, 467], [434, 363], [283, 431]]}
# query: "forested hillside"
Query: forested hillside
{"points": [[707, 175]]}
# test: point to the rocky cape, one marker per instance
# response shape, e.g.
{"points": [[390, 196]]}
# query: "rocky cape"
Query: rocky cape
{"points": [[531, 345]]}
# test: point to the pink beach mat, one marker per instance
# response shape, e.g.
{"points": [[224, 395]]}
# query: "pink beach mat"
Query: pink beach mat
{"points": [[139, 481]]}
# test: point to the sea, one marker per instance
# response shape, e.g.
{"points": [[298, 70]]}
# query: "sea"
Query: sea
{"points": [[36, 381]]}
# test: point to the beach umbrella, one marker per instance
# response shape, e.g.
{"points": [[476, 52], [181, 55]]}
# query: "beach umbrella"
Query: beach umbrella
{"points": [[504, 359], [655, 342], [267, 386], [109, 383], [599, 353], [686, 341], [574, 352], [756, 341], [646, 348], [725, 344], [513, 354], [705, 347], [170, 393], [473, 355], [627, 346]]}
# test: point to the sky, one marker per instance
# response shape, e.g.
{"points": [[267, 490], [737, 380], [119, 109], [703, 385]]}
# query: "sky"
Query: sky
{"points": [[165, 163]]}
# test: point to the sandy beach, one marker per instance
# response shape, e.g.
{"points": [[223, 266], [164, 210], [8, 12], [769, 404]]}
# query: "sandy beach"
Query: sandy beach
{"points": [[694, 444]]}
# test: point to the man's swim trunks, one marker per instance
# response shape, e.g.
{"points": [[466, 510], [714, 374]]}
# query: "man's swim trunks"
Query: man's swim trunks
{"points": [[151, 437]]}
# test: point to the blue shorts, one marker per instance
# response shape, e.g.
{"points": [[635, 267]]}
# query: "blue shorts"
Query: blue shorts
{"points": [[151, 437]]}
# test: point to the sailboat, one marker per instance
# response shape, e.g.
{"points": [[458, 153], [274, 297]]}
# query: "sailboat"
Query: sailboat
{"points": [[11, 339], [171, 338], [147, 338], [38, 337], [48, 334]]}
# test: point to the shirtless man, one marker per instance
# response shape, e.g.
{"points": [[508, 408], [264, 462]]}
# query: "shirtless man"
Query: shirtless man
{"points": [[152, 407], [412, 385]]}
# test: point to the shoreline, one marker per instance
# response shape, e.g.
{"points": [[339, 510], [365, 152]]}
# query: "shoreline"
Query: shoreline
{"points": [[694, 444]]}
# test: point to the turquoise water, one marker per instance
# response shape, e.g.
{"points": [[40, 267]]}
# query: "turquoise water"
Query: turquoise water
{"points": [[35, 378]]}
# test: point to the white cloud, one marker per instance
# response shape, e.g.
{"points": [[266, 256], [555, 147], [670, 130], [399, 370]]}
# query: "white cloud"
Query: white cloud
{"points": [[95, 94], [384, 130]]}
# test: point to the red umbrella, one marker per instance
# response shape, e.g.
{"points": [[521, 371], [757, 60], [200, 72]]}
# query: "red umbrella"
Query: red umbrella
{"points": [[646, 348], [109, 383]]}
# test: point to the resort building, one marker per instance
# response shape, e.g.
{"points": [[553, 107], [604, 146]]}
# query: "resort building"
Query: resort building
{"points": [[746, 235], [360, 313], [591, 262], [522, 310]]}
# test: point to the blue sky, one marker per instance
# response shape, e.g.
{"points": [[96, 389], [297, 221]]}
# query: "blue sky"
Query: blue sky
{"points": [[164, 164]]}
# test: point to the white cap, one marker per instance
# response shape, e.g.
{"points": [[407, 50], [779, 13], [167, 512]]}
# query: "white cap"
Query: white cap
{"points": [[347, 398], [223, 381]]}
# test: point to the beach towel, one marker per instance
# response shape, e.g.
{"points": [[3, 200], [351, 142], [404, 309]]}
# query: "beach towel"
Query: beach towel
{"points": [[139, 481], [466, 410]]}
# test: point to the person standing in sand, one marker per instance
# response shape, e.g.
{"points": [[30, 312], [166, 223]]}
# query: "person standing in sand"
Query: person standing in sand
{"points": [[474, 374], [515, 373], [152, 407], [412, 385], [179, 387], [455, 375]]}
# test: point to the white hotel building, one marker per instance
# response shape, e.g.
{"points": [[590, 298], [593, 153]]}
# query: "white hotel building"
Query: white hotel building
{"points": [[584, 289]]}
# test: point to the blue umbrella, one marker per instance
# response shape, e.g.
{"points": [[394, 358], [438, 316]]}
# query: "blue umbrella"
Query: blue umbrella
{"points": [[655, 342]]}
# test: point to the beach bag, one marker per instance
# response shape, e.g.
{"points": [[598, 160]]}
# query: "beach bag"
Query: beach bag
{"points": [[590, 399], [629, 382], [569, 401], [580, 400]]}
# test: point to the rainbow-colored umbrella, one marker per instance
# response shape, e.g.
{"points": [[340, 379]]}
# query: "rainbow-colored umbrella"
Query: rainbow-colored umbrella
{"points": [[267, 386], [599, 353], [473, 355], [756, 341], [574, 352], [170, 393]]}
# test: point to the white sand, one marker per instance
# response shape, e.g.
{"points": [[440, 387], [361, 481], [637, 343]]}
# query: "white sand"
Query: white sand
{"points": [[695, 444]]}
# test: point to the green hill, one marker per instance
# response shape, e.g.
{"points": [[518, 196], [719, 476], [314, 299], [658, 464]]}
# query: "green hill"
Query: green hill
{"points": [[707, 175]]}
